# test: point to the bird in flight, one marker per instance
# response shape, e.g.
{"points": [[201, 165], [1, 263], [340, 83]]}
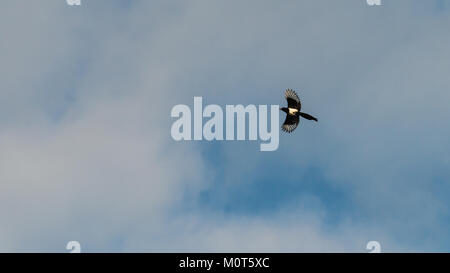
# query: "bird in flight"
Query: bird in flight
{"points": [[293, 113]]}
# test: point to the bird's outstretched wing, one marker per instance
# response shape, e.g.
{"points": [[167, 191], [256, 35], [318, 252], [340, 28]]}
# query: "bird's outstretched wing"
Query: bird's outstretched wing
{"points": [[290, 123], [292, 99]]}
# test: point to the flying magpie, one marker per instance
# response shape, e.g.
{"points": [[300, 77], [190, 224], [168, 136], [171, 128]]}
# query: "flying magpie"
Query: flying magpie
{"points": [[293, 113]]}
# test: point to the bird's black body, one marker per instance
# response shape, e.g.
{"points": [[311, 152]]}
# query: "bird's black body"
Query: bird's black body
{"points": [[293, 113]]}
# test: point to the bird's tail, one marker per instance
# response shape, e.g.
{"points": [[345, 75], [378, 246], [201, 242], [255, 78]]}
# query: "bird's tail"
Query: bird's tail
{"points": [[309, 117]]}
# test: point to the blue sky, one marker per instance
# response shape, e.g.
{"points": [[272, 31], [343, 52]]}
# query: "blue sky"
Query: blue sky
{"points": [[86, 94]]}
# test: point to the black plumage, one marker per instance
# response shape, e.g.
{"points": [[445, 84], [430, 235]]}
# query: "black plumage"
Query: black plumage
{"points": [[293, 113]]}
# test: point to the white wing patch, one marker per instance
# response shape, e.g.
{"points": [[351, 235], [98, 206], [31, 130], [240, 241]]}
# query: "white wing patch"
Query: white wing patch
{"points": [[292, 111]]}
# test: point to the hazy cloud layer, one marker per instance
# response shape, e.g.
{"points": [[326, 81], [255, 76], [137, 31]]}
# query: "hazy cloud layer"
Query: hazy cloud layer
{"points": [[86, 152]]}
